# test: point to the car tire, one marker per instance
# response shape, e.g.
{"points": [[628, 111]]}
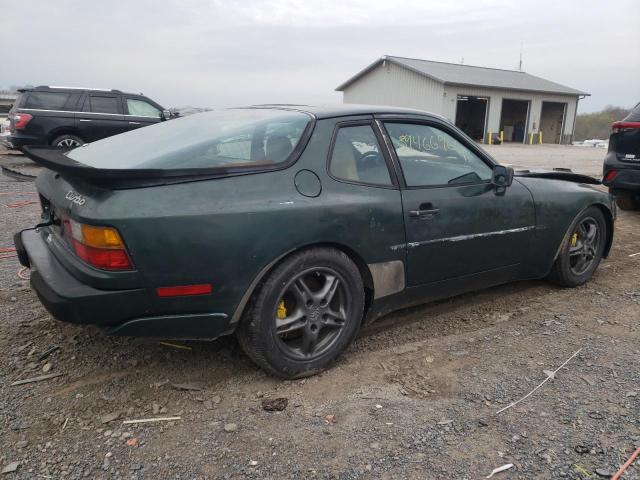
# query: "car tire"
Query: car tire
{"points": [[581, 252], [67, 141], [627, 201], [305, 314]]}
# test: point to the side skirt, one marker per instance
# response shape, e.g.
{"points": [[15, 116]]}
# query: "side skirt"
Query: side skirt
{"points": [[421, 294]]}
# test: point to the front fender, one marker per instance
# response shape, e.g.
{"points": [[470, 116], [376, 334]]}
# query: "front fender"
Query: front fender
{"points": [[557, 204]]}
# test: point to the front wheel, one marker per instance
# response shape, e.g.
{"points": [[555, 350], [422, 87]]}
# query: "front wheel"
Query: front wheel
{"points": [[305, 314], [580, 255]]}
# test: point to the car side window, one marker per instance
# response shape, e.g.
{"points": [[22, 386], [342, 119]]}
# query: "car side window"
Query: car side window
{"points": [[357, 156], [105, 104], [141, 108], [47, 100], [430, 156]]}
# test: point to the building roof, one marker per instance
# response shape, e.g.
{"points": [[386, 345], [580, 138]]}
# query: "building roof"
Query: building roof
{"points": [[457, 74], [343, 110]]}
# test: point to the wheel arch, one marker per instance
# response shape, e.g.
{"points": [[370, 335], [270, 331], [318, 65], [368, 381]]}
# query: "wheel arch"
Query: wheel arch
{"points": [[53, 134], [365, 274], [609, 219]]}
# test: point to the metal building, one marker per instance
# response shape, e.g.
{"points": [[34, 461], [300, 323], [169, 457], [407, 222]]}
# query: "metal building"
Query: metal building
{"points": [[484, 102], [6, 101]]}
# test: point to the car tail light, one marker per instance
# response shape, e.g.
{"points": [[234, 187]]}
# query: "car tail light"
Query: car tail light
{"points": [[20, 120], [618, 126], [100, 247], [611, 174]]}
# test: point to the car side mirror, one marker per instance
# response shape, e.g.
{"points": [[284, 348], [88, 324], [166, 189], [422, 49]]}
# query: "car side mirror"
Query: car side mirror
{"points": [[502, 178], [165, 115]]}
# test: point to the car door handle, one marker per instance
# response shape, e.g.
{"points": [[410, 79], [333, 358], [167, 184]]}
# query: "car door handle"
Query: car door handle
{"points": [[426, 211], [134, 123], [84, 120]]}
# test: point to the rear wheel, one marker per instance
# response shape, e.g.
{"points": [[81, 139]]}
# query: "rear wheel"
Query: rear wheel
{"points": [[305, 314], [581, 254], [67, 141], [627, 201]]}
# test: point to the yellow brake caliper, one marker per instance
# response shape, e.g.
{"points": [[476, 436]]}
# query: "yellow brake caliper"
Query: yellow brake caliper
{"points": [[282, 310], [574, 239]]}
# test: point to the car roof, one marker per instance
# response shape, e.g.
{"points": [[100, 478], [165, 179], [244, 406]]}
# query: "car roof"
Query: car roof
{"points": [[53, 88], [330, 111]]}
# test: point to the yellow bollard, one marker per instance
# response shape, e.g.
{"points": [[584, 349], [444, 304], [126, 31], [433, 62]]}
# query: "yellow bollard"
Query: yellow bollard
{"points": [[540, 138], [531, 138], [490, 141], [501, 136]]}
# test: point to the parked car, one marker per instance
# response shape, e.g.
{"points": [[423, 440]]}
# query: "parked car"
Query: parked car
{"points": [[622, 163], [293, 226], [68, 117]]}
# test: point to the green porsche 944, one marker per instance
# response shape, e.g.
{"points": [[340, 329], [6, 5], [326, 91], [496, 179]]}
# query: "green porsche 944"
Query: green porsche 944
{"points": [[293, 226]]}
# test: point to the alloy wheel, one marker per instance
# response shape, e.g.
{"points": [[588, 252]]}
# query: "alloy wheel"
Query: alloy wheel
{"points": [[68, 143], [311, 312], [584, 246]]}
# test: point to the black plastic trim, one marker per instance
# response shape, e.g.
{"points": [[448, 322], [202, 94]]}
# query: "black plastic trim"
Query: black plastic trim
{"points": [[568, 176], [23, 258], [197, 326]]}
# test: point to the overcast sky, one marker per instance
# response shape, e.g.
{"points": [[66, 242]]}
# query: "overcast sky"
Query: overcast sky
{"points": [[218, 53]]}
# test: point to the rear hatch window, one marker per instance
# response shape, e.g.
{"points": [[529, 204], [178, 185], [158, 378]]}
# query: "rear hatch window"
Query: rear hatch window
{"points": [[625, 139], [634, 116], [234, 138]]}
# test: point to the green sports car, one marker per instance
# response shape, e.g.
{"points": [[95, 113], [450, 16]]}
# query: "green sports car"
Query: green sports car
{"points": [[293, 226]]}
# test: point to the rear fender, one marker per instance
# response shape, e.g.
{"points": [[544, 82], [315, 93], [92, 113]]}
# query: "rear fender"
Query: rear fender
{"points": [[365, 273], [56, 132]]}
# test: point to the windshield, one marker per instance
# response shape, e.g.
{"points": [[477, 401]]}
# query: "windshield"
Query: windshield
{"points": [[251, 137]]}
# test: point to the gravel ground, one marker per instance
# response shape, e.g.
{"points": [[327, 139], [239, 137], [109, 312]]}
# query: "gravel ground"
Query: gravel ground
{"points": [[586, 160], [415, 396], [19, 209]]}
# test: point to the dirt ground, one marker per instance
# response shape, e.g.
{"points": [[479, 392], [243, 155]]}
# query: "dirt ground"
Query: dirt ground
{"points": [[416, 395]]}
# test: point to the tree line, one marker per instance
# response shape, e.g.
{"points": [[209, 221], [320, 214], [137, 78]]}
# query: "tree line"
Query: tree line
{"points": [[598, 124]]}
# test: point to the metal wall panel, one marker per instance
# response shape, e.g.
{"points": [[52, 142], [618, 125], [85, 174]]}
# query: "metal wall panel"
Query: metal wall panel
{"points": [[393, 85]]}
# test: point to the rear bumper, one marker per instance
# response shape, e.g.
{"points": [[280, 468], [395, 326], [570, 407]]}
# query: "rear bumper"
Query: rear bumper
{"points": [[628, 176], [626, 179], [121, 312], [19, 140]]}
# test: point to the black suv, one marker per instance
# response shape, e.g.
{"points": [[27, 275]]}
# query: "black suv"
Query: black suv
{"points": [[622, 163], [68, 117]]}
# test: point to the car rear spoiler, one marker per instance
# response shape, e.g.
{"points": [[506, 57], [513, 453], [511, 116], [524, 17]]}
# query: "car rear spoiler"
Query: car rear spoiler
{"points": [[56, 160], [559, 174]]}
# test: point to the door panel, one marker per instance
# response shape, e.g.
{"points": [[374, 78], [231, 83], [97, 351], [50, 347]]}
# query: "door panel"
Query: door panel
{"points": [[140, 113], [455, 223], [101, 117], [470, 230]]}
